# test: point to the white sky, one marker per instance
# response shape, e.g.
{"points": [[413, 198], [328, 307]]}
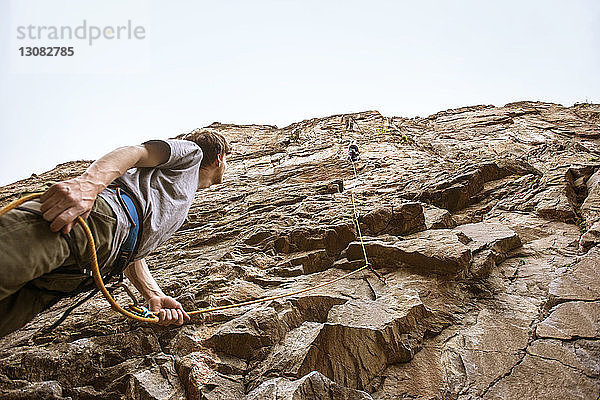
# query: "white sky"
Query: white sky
{"points": [[277, 62]]}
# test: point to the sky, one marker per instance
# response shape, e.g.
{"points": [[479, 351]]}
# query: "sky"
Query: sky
{"points": [[272, 62]]}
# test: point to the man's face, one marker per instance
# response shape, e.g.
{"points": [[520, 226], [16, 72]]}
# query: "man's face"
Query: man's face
{"points": [[220, 169], [213, 173]]}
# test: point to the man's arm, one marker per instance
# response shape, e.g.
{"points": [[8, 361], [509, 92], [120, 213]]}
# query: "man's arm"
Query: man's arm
{"points": [[139, 274], [170, 310], [64, 201]]}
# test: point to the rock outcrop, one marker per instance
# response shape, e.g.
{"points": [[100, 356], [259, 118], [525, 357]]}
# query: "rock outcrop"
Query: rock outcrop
{"points": [[483, 223]]}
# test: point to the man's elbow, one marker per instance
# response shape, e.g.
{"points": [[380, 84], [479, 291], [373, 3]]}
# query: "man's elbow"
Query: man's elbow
{"points": [[128, 271]]}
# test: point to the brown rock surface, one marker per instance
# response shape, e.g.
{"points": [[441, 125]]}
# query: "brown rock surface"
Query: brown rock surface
{"points": [[578, 281], [435, 251], [572, 320], [312, 386], [483, 221], [489, 244]]}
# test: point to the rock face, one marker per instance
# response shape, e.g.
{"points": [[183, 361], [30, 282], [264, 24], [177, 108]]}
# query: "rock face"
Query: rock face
{"points": [[489, 244], [436, 251], [483, 223], [358, 340], [312, 386]]}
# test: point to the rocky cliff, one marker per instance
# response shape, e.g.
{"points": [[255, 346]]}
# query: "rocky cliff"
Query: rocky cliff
{"points": [[484, 222]]}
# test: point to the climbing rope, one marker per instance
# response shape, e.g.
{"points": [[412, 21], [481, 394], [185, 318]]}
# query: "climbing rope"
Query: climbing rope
{"points": [[353, 157], [141, 313]]}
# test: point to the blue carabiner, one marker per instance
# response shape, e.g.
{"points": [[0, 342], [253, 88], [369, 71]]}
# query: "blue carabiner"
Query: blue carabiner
{"points": [[142, 311]]}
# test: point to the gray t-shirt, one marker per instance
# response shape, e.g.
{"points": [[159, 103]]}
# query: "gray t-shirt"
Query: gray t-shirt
{"points": [[165, 194]]}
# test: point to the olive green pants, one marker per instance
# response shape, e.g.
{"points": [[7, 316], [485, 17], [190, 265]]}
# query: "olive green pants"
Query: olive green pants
{"points": [[38, 266]]}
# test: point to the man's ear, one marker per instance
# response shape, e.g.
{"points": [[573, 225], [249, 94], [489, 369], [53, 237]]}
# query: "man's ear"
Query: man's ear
{"points": [[219, 160]]}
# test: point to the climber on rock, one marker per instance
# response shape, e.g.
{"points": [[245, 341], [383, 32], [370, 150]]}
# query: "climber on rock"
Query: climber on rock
{"points": [[133, 199]]}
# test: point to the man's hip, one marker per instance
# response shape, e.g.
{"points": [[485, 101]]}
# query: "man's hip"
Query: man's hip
{"points": [[31, 252]]}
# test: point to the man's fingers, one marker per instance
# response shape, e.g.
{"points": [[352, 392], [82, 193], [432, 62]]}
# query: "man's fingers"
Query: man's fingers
{"points": [[49, 193], [48, 202], [63, 219], [161, 317], [174, 317], [51, 208], [52, 211], [168, 316], [67, 228], [180, 308], [179, 317]]}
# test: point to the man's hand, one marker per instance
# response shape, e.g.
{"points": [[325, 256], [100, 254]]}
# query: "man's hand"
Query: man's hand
{"points": [[170, 310], [63, 202]]}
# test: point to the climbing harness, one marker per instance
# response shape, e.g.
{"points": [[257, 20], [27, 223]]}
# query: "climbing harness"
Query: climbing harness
{"points": [[133, 211], [140, 313]]}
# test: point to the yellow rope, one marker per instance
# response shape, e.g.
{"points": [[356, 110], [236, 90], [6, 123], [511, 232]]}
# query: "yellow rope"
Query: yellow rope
{"points": [[356, 219], [280, 296], [18, 202]]}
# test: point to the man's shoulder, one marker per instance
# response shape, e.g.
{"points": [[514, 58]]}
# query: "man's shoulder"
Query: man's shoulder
{"points": [[183, 154]]}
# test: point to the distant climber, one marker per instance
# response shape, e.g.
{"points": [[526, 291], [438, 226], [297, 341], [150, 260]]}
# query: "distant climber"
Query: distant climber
{"points": [[353, 154], [133, 199]]}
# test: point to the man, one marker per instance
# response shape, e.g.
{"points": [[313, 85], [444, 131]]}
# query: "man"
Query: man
{"points": [[43, 251]]}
